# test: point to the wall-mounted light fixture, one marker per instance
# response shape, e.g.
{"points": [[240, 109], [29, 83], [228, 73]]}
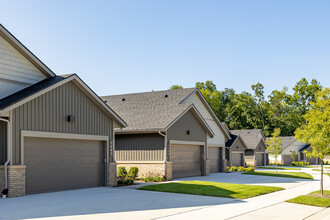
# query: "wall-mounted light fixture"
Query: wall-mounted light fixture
{"points": [[69, 118], [188, 132]]}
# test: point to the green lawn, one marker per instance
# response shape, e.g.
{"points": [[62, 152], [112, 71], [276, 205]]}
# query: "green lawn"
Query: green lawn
{"points": [[229, 190], [279, 168], [310, 200], [300, 175], [325, 172]]}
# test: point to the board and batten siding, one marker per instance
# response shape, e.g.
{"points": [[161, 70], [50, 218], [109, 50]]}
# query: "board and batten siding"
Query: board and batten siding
{"points": [[178, 131], [3, 142], [48, 113], [16, 72], [219, 137], [139, 147]]}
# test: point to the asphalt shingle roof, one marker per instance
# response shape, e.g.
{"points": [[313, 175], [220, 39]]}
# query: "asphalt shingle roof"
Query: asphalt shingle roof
{"points": [[286, 141], [149, 110], [24, 93], [250, 137]]}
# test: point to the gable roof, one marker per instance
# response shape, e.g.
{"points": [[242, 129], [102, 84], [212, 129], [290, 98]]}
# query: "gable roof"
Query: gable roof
{"points": [[153, 111], [227, 130], [286, 141], [209, 109], [12, 40], [233, 139], [21, 97], [250, 137]]}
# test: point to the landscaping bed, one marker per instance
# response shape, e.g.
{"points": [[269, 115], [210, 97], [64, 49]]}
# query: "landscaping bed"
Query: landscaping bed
{"points": [[313, 199], [299, 175], [204, 188], [279, 168]]}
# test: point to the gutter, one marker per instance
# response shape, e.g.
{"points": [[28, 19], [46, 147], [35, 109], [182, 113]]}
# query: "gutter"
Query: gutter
{"points": [[5, 190], [165, 149]]}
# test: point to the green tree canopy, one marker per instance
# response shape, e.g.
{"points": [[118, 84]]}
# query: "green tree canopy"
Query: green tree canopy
{"points": [[316, 129]]}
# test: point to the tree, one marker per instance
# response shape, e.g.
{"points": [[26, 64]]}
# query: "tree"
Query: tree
{"points": [[276, 107], [294, 155], [259, 94], [274, 144], [316, 130], [176, 87]]}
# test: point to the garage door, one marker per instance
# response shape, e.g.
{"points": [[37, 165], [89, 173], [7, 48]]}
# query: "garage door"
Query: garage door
{"points": [[62, 164], [287, 160], [186, 160], [236, 159], [214, 156], [260, 159]]}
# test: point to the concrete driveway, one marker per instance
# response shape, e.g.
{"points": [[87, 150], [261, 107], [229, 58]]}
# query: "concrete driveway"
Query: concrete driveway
{"points": [[129, 203]]}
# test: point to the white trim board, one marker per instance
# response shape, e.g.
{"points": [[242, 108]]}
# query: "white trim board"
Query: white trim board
{"points": [[187, 142]]}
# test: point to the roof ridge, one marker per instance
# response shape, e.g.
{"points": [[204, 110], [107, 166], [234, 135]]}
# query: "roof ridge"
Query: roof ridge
{"points": [[158, 91]]}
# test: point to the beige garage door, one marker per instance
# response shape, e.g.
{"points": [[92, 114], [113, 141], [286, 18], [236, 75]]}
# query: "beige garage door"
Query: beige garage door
{"points": [[236, 159], [214, 156], [186, 160], [260, 159], [62, 164]]}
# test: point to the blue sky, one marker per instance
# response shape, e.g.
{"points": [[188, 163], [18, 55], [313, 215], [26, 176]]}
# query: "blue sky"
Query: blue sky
{"points": [[133, 46]]}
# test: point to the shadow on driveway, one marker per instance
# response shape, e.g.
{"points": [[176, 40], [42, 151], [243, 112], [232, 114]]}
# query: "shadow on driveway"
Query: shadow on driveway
{"points": [[99, 201]]}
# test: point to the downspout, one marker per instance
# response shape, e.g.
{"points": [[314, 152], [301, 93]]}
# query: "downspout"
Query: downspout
{"points": [[165, 149], [5, 191]]}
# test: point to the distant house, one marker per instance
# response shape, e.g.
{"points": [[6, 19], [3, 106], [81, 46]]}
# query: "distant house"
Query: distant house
{"points": [[235, 149], [290, 143], [254, 139], [172, 132]]}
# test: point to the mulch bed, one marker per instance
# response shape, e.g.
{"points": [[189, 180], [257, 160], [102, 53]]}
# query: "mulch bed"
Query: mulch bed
{"points": [[319, 195]]}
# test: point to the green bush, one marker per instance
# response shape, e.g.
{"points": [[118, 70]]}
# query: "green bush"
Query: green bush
{"points": [[133, 172], [121, 172], [153, 177], [250, 169], [233, 168], [300, 164], [125, 181], [241, 169]]}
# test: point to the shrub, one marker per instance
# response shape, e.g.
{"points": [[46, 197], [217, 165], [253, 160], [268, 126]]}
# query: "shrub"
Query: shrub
{"points": [[250, 169], [241, 169], [133, 172], [121, 172], [233, 168], [125, 181], [300, 164], [153, 177]]}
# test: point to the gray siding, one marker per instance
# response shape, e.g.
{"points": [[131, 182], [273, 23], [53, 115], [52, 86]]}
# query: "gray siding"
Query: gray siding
{"points": [[48, 113], [238, 146], [261, 147], [139, 147], [3, 142], [178, 131]]}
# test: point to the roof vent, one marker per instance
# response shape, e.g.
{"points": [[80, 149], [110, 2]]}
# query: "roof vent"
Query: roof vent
{"points": [[105, 101], [123, 99], [166, 96]]}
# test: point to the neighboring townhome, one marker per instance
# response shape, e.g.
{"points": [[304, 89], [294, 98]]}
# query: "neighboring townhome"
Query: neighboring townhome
{"points": [[235, 149], [254, 139], [55, 132], [290, 144], [168, 133]]}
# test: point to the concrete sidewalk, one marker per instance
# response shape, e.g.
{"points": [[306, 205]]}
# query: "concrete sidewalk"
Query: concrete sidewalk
{"points": [[270, 206]]}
